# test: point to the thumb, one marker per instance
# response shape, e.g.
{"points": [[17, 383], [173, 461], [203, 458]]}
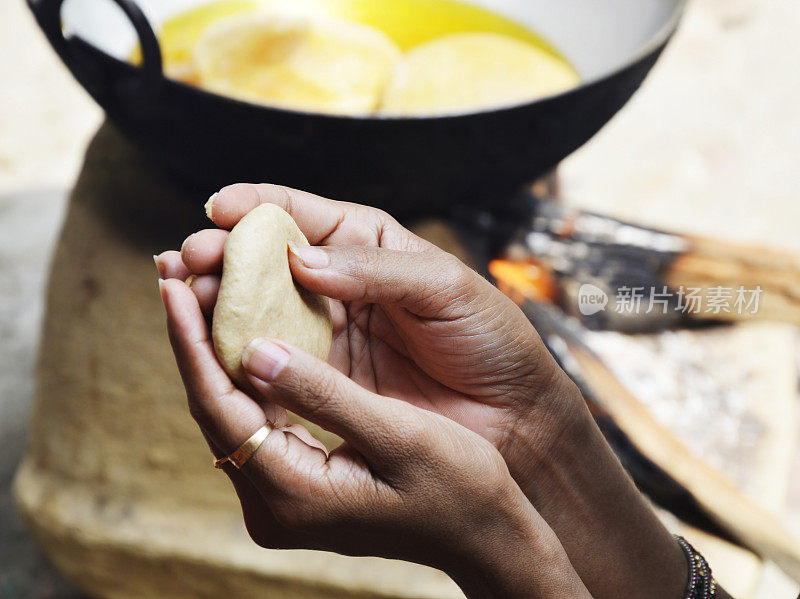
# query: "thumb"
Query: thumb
{"points": [[376, 426], [431, 283]]}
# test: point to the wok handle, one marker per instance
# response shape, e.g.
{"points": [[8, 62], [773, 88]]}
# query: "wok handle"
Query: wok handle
{"points": [[143, 85]]}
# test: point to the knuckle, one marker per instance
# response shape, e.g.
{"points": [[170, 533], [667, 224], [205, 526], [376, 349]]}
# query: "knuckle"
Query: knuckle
{"points": [[370, 262], [378, 226], [495, 471], [454, 274], [449, 283], [417, 432], [417, 438], [379, 217], [384, 221], [283, 194], [370, 267], [364, 266], [500, 489], [202, 413], [199, 415], [485, 473]]}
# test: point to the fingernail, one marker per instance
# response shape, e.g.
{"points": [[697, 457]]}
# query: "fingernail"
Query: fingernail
{"points": [[210, 206], [159, 266], [190, 281], [264, 360], [311, 257], [161, 288]]}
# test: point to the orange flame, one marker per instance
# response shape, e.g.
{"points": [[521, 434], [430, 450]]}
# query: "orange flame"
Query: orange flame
{"points": [[526, 280]]}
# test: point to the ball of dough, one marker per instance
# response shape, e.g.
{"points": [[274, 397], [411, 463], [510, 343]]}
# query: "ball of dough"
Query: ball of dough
{"points": [[258, 296]]}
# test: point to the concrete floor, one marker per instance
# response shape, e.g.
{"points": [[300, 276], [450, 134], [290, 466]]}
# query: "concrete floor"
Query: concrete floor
{"points": [[710, 145], [35, 217]]}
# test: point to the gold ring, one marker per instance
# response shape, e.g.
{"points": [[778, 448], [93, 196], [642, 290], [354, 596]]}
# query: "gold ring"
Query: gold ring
{"points": [[239, 457]]}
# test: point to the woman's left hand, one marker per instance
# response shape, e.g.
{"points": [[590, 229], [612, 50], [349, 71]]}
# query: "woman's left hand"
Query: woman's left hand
{"points": [[407, 483]]}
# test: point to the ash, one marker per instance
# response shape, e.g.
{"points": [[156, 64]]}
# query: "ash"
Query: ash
{"points": [[695, 386]]}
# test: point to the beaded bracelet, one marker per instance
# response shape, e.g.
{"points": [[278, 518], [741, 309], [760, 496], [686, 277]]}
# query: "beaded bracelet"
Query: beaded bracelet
{"points": [[701, 581]]}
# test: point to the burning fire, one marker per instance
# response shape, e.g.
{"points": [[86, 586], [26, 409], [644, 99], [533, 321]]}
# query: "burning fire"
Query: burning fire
{"points": [[524, 281]]}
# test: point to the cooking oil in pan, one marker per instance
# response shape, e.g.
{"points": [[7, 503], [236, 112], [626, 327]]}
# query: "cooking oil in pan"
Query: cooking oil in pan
{"points": [[397, 57]]}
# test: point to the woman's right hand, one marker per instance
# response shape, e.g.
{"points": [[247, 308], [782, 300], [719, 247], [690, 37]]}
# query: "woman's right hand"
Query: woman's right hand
{"points": [[407, 483]]}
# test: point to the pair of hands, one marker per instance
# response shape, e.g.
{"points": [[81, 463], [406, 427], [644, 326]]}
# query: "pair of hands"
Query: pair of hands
{"points": [[433, 376]]}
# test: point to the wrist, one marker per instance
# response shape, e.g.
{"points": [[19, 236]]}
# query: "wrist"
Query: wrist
{"points": [[513, 553], [569, 473], [549, 423]]}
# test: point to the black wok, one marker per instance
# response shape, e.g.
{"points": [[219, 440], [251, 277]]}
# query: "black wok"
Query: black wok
{"points": [[405, 165]]}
